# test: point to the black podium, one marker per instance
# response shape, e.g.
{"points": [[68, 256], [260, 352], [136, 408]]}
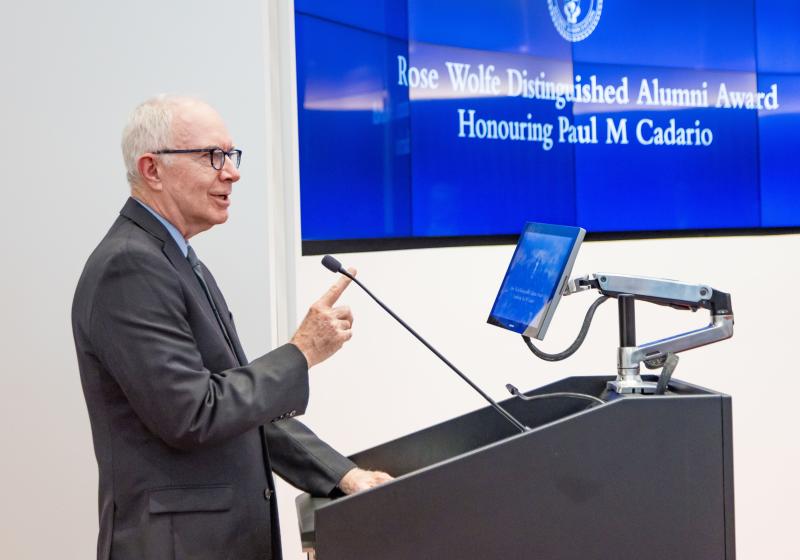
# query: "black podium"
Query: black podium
{"points": [[637, 478]]}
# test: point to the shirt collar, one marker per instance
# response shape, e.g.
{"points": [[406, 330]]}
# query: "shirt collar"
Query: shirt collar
{"points": [[173, 231]]}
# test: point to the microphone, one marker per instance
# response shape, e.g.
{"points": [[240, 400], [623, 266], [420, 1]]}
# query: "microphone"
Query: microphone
{"points": [[332, 264], [335, 266]]}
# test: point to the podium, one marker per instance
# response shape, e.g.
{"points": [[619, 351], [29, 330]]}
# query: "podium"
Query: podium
{"points": [[638, 478]]}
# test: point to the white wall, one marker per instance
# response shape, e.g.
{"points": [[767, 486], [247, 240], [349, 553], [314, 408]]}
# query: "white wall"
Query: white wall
{"points": [[72, 71]]}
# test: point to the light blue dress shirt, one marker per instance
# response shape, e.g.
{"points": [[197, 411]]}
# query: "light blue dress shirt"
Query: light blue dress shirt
{"points": [[183, 245]]}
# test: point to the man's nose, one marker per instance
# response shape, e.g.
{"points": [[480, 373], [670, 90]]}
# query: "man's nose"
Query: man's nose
{"points": [[229, 171]]}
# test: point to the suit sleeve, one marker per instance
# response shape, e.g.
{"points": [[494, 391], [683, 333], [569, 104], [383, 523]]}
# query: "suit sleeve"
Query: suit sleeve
{"points": [[304, 460], [141, 333]]}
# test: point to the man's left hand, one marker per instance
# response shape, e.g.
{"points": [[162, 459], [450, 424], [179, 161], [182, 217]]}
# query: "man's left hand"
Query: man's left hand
{"points": [[357, 480]]}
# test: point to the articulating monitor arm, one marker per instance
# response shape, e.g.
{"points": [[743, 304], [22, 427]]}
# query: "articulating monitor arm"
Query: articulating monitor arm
{"points": [[672, 293]]}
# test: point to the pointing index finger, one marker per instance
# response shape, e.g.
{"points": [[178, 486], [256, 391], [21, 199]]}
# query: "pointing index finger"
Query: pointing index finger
{"points": [[330, 297]]}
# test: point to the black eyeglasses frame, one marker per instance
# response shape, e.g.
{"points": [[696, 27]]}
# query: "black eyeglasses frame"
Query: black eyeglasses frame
{"points": [[235, 155]]}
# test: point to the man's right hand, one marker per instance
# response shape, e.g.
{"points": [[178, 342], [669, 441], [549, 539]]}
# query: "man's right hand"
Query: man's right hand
{"points": [[325, 328]]}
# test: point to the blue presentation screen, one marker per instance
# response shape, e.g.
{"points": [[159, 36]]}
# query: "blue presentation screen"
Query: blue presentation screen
{"points": [[422, 119]]}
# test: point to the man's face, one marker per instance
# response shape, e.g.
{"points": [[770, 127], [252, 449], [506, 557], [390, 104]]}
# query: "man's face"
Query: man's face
{"points": [[195, 195]]}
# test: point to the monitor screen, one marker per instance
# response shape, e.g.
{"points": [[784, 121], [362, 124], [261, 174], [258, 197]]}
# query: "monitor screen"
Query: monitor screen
{"points": [[535, 278], [458, 119]]}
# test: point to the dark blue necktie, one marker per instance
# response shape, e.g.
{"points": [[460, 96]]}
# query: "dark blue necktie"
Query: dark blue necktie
{"points": [[197, 267]]}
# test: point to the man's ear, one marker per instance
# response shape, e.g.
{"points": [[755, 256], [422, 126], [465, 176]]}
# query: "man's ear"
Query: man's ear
{"points": [[148, 169]]}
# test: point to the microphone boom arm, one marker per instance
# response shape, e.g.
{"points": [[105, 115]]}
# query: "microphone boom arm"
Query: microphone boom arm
{"points": [[334, 265]]}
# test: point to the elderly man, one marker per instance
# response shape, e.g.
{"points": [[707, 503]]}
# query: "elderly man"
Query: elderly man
{"points": [[186, 430]]}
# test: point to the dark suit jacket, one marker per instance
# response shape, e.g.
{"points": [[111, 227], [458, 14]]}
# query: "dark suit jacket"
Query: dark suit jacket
{"points": [[186, 431]]}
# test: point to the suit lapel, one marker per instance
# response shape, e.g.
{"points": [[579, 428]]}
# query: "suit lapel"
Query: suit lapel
{"points": [[173, 253], [144, 219], [225, 314]]}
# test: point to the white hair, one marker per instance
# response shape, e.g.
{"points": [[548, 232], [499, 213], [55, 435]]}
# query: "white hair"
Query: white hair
{"points": [[149, 129]]}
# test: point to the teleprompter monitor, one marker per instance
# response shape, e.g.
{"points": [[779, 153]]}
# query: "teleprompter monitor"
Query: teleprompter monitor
{"points": [[536, 277]]}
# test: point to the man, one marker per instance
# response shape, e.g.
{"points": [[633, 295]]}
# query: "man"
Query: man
{"points": [[186, 430]]}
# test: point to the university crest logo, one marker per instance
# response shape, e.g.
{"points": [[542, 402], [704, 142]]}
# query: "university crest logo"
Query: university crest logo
{"points": [[575, 19]]}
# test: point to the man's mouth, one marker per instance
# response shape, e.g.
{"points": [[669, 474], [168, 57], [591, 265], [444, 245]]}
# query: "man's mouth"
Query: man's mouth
{"points": [[221, 196]]}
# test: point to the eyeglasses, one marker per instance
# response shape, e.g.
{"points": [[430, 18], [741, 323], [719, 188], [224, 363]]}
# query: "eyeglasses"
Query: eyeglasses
{"points": [[217, 155]]}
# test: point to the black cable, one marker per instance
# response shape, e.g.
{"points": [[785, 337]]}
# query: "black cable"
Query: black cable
{"points": [[670, 363], [587, 321], [514, 391]]}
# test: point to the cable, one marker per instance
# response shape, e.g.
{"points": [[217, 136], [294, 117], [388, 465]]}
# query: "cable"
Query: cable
{"points": [[670, 364], [514, 391], [587, 321]]}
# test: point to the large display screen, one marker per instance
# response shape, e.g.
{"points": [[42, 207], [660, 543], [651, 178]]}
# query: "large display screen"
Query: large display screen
{"points": [[423, 119]]}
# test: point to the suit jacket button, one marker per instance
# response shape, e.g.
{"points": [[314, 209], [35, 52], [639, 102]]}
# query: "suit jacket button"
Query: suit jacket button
{"points": [[267, 494]]}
